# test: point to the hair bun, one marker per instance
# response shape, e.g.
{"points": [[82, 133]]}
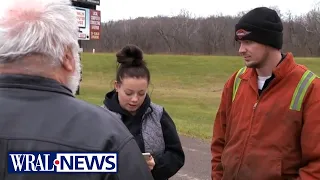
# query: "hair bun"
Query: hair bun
{"points": [[130, 55]]}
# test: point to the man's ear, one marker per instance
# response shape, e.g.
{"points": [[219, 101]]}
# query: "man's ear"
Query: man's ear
{"points": [[68, 61]]}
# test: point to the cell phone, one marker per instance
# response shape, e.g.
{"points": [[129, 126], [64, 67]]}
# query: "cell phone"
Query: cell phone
{"points": [[146, 155]]}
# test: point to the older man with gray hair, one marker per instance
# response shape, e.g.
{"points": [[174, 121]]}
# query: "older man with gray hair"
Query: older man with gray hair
{"points": [[39, 75]]}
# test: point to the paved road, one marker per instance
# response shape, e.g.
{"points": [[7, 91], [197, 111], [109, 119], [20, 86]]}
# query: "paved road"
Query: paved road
{"points": [[197, 165]]}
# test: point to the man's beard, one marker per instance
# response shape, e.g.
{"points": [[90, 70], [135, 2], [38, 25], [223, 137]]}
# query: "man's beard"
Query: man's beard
{"points": [[259, 64], [254, 65], [74, 80]]}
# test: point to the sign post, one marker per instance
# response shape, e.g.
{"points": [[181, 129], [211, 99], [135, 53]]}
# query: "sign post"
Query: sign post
{"points": [[89, 22]]}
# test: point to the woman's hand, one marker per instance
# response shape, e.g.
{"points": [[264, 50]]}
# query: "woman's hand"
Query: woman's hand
{"points": [[150, 162]]}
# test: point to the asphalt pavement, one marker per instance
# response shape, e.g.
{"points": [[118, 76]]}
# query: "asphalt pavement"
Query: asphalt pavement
{"points": [[197, 164]]}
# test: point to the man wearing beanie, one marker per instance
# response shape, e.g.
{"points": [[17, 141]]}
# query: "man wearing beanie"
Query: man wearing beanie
{"points": [[267, 126]]}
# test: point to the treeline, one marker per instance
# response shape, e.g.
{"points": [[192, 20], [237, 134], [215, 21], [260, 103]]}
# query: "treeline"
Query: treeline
{"points": [[184, 34]]}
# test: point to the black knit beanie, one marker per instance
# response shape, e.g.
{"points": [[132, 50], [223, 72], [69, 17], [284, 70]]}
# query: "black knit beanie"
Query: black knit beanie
{"points": [[262, 25]]}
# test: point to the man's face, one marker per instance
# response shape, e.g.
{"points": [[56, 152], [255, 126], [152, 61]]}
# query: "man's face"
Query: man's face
{"points": [[255, 54]]}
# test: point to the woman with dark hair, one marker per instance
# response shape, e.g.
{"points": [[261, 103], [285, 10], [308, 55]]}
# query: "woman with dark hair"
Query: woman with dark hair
{"points": [[149, 123]]}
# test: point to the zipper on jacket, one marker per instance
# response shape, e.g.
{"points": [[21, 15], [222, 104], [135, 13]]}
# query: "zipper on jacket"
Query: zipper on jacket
{"points": [[260, 96], [141, 124], [251, 122]]}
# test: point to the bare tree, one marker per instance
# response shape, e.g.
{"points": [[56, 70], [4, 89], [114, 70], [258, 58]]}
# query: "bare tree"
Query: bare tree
{"points": [[187, 34]]}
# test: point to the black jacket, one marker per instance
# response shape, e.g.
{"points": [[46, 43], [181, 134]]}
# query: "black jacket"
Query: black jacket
{"points": [[173, 158], [39, 114]]}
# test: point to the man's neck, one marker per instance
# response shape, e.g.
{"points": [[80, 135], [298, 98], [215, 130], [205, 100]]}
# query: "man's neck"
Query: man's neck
{"points": [[33, 66], [272, 62]]}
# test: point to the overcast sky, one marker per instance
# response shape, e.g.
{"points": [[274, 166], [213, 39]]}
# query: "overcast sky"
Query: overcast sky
{"points": [[124, 9]]}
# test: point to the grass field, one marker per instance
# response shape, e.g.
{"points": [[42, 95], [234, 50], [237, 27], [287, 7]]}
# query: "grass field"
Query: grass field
{"points": [[189, 87]]}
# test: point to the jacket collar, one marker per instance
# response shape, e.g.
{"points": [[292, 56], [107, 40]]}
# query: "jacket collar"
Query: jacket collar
{"points": [[39, 83], [286, 66]]}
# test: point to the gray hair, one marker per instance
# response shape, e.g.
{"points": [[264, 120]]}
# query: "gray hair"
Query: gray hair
{"points": [[43, 27]]}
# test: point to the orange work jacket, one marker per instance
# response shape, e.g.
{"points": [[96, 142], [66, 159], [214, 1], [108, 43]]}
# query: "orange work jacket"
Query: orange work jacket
{"points": [[274, 136]]}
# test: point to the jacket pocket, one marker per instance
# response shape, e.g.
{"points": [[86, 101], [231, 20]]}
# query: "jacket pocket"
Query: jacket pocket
{"points": [[263, 168]]}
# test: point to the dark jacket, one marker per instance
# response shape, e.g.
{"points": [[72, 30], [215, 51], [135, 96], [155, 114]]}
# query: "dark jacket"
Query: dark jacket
{"points": [[39, 114], [169, 158]]}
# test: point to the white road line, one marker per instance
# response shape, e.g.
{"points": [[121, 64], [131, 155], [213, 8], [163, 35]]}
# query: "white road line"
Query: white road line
{"points": [[195, 150]]}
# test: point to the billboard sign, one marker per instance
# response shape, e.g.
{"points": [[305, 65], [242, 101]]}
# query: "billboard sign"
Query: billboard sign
{"points": [[95, 23], [90, 2], [89, 22]]}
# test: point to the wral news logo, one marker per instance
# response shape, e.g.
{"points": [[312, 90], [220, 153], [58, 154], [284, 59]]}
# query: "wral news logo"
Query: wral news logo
{"points": [[40, 162]]}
